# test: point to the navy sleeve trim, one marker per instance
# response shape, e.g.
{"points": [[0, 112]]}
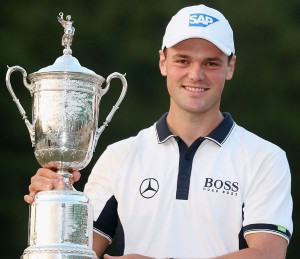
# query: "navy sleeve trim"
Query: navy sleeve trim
{"points": [[275, 229], [107, 222]]}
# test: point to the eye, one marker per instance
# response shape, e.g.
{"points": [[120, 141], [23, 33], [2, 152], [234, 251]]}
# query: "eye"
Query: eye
{"points": [[182, 61], [212, 64]]}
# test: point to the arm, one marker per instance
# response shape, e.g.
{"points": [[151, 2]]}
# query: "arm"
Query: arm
{"points": [[100, 243], [261, 245]]}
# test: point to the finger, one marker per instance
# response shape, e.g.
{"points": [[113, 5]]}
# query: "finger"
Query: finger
{"points": [[45, 179], [44, 184], [28, 198], [48, 173], [76, 176]]}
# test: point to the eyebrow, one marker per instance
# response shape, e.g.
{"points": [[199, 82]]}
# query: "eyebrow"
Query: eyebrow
{"points": [[216, 59], [180, 56]]}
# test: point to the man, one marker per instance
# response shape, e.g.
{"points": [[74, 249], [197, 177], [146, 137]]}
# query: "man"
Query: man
{"points": [[195, 184]]}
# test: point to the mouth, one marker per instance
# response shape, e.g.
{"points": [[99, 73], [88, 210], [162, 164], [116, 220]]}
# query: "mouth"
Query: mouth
{"points": [[195, 89]]}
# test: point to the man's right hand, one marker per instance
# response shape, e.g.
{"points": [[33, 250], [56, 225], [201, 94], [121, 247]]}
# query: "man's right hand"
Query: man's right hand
{"points": [[45, 179]]}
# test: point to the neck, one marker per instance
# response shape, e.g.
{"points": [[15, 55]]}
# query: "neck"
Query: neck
{"points": [[190, 126]]}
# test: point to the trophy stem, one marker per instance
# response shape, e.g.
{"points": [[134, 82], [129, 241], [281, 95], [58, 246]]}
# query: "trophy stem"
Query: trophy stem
{"points": [[66, 177]]}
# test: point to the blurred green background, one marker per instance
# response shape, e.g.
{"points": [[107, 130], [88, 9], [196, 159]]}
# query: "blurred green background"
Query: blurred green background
{"points": [[125, 36]]}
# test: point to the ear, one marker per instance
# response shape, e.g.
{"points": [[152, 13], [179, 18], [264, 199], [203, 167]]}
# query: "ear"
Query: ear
{"points": [[231, 67], [162, 63]]}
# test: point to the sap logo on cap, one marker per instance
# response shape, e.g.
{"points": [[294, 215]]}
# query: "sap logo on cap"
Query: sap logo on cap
{"points": [[202, 20]]}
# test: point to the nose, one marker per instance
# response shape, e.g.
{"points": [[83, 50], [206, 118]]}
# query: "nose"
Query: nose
{"points": [[196, 72]]}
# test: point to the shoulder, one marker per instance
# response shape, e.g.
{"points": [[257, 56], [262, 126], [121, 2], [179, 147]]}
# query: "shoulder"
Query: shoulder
{"points": [[256, 152], [119, 154], [131, 144], [250, 141]]}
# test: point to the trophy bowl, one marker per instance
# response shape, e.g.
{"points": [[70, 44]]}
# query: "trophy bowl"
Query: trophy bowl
{"points": [[64, 133]]}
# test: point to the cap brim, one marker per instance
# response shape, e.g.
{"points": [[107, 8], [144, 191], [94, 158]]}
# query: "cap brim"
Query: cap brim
{"points": [[220, 46]]}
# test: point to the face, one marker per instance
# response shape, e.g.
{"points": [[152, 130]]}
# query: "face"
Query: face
{"points": [[196, 71]]}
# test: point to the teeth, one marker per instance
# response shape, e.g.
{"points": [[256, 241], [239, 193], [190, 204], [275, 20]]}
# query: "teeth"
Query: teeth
{"points": [[194, 89]]}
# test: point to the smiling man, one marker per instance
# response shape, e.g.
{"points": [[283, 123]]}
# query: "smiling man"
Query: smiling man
{"points": [[195, 184]]}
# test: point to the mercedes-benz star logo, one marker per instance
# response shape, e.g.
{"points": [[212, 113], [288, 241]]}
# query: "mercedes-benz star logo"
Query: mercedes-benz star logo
{"points": [[149, 188]]}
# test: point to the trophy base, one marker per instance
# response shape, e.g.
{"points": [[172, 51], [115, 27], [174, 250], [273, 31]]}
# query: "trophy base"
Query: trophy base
{"points": [[58, 252], [60, 226]]}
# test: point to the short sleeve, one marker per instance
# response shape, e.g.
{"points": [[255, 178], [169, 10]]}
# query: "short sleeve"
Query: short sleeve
{"points": [[268, 203], [98, 190]]}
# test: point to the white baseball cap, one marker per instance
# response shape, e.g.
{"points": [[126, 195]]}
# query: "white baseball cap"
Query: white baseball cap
{"points": [[200, 21]]}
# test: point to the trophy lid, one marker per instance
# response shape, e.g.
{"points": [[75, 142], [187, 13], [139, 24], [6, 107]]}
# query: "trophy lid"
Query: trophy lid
{"points": [[66, 62]]}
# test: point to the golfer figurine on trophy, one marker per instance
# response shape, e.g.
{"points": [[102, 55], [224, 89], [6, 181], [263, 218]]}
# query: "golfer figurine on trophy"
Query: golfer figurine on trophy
{"points": [[64, 133]]}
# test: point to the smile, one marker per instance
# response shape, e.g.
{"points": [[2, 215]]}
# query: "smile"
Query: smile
{"points": [[195, 89]]}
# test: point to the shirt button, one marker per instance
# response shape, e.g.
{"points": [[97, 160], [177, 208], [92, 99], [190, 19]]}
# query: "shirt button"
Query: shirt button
{"points": [[183, 177], [187, 157]]}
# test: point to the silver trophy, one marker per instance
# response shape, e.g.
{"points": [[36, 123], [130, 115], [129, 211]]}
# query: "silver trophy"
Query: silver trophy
{"points": [[64, 133]]}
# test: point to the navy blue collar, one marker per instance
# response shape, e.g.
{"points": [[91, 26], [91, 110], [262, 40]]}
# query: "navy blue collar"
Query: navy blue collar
{"points": [[218, 135]]}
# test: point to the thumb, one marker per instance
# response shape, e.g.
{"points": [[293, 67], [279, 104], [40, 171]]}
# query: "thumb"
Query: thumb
{"points": [[106, 256]]}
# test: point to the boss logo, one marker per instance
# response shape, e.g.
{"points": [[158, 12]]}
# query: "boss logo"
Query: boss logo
{"points": [[202, 20], [221, 186]]}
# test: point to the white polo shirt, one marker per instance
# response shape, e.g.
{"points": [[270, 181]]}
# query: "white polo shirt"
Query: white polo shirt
{"points": [[191, 202]]}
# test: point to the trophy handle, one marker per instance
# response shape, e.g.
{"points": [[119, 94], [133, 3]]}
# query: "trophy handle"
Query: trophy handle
{"points": [[115, 107], [16, 100]]}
